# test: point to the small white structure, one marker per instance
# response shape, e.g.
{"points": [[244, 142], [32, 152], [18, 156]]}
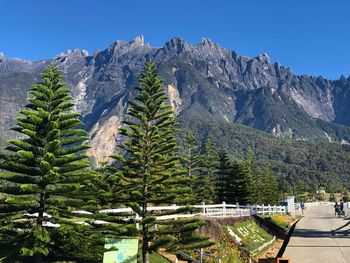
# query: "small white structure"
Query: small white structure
{"points": [[290, 205]]}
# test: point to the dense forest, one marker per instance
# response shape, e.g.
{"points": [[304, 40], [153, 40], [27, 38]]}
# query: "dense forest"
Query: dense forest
{"points": [[314, 164]]}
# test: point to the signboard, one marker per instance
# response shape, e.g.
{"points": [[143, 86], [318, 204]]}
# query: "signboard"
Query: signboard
{"points": [[126, 250], [290, 206]]}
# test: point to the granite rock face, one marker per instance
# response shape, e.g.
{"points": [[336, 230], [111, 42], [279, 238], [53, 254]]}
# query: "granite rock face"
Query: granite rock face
{"points": [[202, 79]]}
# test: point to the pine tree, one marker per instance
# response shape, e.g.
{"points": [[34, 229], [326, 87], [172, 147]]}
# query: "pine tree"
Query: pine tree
{"points": [[248, 184], [258, 176], [270, 188], [251, 186], [47, 171], [224, 181], [150, 169], [241, 181], [204, 184], [190, 159], [239, 187]]}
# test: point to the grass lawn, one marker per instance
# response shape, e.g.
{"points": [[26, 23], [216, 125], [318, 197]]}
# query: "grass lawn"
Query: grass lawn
{"points": [[282, 220], [227, 252], [252, 235], [157, 258]]}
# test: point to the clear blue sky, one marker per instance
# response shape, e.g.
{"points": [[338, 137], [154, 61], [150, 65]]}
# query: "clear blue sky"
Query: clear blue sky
{"points": [[310, 36]]}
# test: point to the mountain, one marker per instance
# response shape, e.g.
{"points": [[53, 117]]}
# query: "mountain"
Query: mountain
{"points": [[204, 81]]}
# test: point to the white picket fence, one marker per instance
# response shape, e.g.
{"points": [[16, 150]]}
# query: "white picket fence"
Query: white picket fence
{"points": [[216, 210]]}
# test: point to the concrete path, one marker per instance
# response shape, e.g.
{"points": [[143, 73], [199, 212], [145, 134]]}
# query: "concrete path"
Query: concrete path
{"points": [[320, 237]]}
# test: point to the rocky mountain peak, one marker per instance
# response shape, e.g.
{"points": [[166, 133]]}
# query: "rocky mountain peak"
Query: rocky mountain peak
{"points": [[264, 58], [176, 44], [2, 56], [73, 53], [201, 78], [207, 42], [139, 40], [121, 47]]}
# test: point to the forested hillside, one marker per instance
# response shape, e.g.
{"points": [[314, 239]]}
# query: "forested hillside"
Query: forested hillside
{"points": [[310, 163]]}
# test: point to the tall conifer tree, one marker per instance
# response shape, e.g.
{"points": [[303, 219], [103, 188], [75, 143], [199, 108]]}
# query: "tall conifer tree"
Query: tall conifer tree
{"points": [[251, 186], [150, 168], [47, 171], [204, 186], [270, 188], [190, 159], [239, 183], [224, 181], [258, 177]]}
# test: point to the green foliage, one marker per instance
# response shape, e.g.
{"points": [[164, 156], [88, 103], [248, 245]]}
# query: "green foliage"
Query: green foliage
{"points": [[237, 181], [190, 160], [227, 252], [240, 186], [204, 188], [190, 156], [283, 221], [311, 162], [150, 171], [332, 197], [47, 170], [209, 160], [224, 182], [346, 197], [252, 235], [258, 186], [269, 190], [157, 258], [251, 179], [77, 242], [244, 183], [228, 249]]}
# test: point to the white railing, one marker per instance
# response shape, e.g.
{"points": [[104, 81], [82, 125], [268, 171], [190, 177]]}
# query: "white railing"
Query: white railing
{"points": [[216, 210], [267, 209]]}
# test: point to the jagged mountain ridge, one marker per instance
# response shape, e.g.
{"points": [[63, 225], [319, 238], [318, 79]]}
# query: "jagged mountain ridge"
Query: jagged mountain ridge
{"points": [[202, 80]]}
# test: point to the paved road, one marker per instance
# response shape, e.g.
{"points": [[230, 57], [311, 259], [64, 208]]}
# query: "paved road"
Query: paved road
{"points": [[320, 237]]}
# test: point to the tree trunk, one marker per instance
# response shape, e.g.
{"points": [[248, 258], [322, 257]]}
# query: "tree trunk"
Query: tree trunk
{"points": [[40, 218], [37, 258], [39, 222], [145, 255], [145, 246], [145, 237]]}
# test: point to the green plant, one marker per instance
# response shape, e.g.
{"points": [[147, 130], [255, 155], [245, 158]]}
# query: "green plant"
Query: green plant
{"points": [[150, 173], [47, 171]]}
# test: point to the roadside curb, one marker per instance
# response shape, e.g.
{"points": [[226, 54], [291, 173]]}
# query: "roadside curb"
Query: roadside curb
{"points": [[286, 240]]}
